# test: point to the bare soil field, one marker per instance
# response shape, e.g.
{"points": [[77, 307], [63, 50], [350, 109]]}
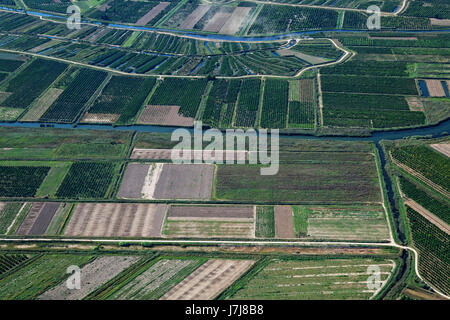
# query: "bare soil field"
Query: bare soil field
{"points": [[116, 220], [435, 88], [154, 172], [209, 280], [30, 219], [185, 181], [443, 148], [94, 274], [217, 21], [194, 17], [142, 287], [234, 22], [239, 212], [149, 16], [133, 181], [166, 154], [2, 205], [415, 104], [43, 220], [348, 223], [209, 228], [428, 215], [100, 117], [41, 105], [440, 22], [284, 224], [164, 115]]}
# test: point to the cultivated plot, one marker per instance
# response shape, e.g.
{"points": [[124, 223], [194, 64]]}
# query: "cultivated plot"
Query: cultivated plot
{"points": [[94, 274], [314, 279], [210, 221], [116, 220], [209, 280]]}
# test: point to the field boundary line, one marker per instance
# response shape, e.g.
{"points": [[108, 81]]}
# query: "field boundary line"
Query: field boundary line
{"points": [[419, 176], [15, 218], [232, 242]]}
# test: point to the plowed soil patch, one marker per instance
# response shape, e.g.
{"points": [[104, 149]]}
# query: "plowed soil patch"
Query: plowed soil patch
{"points": [[185, 181], [284, 224], [116, 220], [209, 280], [164, 115]]}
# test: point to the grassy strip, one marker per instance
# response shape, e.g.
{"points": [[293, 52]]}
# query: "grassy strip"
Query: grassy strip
{"points": [[265, 222], [22, 214], [301, 214]]}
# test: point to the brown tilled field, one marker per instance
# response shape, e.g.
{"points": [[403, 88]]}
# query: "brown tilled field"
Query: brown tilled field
{"points": [[307, 90], [237, 228], [166, 154], [435, 88], [165, 116], [149, 16], [414, 103], [237, 212], [133, 181], [194, 17], [185, 181], [116, 220], [442, 148], [209, 280], [284, 223], [38, 218], [94, 274], [234, 22], [217, 21]]}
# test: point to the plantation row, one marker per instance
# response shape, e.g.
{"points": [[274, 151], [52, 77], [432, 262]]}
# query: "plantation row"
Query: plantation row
{"points": [[123, 96], [21, 181], [432, 244], [31, 82], [71, 102], [431, 164], [378, 111], [10, 261], [436, 206]]}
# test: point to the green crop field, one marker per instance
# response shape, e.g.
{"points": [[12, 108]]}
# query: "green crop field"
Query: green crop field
{"points": [[265, 222], [35, 278], [312, 279], [87, 180]]}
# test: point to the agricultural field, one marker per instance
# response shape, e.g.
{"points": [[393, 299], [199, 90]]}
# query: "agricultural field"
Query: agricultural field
{"points": [[293, 279], [322, 181], [116, 220], [90, 118], [121, 99], [209, 280], [95, 273], [424, 163], [34, 279], [88, 180], [210, 222], [60, 144], [432, 244], [162, 181]]}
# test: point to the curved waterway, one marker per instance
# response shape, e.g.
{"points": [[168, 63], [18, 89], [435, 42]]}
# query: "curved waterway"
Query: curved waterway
{"points": [[219, 37], [434, 131]]}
